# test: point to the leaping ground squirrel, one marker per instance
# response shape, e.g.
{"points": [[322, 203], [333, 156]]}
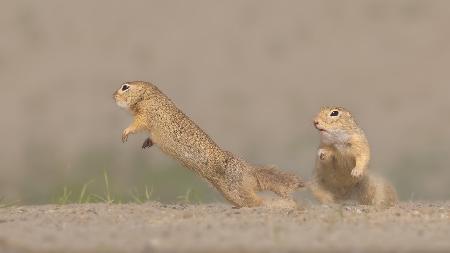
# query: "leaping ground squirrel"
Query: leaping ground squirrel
{"points": [[178, 136], [342, 162]]}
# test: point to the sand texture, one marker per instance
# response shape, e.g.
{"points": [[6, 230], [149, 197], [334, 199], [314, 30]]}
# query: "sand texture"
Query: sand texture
{"points": [[155, 227]]}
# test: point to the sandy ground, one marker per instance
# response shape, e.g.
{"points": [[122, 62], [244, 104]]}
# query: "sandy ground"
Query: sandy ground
{"points": [[156, 227]]}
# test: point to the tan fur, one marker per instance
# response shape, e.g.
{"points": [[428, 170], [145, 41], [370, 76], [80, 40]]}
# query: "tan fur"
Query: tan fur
{"points": [[342, 162], [178, 136]]}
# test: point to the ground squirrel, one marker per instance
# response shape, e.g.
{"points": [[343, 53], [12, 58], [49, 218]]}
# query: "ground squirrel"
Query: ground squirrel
{"points": [[178, 136], [342, 162]]}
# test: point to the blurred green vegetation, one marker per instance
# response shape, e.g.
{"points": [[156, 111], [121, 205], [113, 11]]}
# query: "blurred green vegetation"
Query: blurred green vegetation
{"points": [[106, 174], [99, 177]]}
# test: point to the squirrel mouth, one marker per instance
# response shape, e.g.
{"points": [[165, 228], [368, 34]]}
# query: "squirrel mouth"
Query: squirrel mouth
{"points": [[317, 126]]}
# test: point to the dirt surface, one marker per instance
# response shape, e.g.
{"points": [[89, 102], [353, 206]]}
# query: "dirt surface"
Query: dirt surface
{"points": [[156, 227]]}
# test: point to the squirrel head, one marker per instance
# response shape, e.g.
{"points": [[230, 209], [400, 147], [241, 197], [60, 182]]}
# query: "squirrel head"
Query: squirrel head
{"points": [[336, 124], [131, 93]]}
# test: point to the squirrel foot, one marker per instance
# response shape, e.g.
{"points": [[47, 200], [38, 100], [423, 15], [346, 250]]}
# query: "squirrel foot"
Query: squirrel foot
{"points": [[125, 134]]}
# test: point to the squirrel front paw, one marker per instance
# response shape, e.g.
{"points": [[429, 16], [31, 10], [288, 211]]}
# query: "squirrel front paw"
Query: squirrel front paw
{"points": [[323, 154], [357, 172], [125, 134]]}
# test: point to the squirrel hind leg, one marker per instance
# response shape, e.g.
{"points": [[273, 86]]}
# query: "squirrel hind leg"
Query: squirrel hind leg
{"points": [[321, 194], [273, 179], [378, 192], [251, 199], [242, 197], [238, 185]]}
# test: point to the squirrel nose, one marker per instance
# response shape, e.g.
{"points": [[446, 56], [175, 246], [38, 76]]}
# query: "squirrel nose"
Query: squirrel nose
{"points": [[316, 122]]}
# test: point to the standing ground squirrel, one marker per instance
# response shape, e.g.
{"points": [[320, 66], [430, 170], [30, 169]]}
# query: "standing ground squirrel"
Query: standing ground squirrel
{"points": [[178, 136], [342, 162]]}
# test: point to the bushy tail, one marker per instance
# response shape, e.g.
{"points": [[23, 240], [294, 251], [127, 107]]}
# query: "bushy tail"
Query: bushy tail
{"points": [[273, 179]]}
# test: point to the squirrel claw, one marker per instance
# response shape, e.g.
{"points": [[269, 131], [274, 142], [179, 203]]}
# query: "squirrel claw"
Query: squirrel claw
{"points": [[125, 135], [357, 172], [323, 154], [147, 143]]}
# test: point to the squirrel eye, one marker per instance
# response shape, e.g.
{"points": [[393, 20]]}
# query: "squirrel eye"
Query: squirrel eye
{"points": [[125, 87], [334, 113]]}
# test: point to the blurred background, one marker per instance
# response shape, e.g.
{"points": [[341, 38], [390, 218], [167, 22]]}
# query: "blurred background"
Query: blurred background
{"points": [[252, 74]]}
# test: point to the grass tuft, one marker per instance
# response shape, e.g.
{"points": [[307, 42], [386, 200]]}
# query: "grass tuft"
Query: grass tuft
{"points": [[141, 198], [106, 195], [107, 198], [65, 197], [84, 197], [186, 198], [190, 197]]}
